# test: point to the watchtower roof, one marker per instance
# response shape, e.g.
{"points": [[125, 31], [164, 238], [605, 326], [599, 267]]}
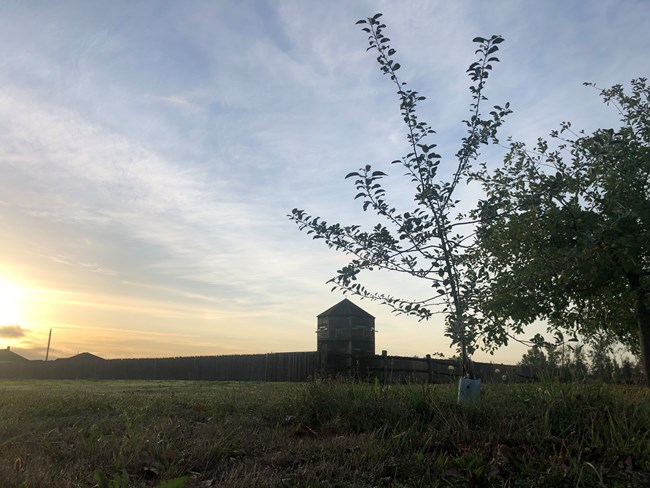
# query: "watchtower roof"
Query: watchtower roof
{"points": [[345, 308]]}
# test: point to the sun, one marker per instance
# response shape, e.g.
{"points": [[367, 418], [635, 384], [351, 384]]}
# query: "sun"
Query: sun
{"points": [[10, 303]]}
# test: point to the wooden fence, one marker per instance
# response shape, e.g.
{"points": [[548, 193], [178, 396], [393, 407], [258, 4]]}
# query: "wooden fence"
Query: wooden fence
{"points": [[288, 366], [402, 369]]}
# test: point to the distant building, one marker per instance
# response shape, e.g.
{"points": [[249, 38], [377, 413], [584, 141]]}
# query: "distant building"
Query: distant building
{"points": [[346, 333], [8, 356], [84, 356]]}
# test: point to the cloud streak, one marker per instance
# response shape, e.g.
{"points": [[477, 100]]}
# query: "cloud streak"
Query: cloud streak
{"points": [[12, 331]]}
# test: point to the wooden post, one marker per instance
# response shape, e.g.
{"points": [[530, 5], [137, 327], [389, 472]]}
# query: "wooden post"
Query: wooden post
{"points": [[49, 339], [429, 371]]}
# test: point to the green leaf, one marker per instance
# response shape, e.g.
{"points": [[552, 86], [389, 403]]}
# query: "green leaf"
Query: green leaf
{"points": [[175, 483], [101, 479]]}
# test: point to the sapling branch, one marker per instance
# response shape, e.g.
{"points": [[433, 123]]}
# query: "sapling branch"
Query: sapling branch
{"points": [[419, 243]]}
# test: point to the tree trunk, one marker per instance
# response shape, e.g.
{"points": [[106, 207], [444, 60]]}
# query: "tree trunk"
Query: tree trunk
{"points": [[643, 320]]}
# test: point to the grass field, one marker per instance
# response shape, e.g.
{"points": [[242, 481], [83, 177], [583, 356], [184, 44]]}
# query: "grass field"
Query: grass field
{"points": [[120, 434]]}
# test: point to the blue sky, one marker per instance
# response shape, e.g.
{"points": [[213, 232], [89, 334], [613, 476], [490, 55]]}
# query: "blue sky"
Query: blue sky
{"points": [[150, 152]]}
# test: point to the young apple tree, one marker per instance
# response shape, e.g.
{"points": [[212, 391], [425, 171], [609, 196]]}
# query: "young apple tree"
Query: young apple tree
{"points": [[425, 241]]}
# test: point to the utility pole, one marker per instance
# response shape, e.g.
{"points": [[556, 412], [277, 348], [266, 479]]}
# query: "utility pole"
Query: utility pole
{"points": [[49, 339]]}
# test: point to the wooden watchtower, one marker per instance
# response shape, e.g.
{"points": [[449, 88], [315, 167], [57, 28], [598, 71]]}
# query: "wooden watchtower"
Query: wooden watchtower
{"points": [[346, 334]]}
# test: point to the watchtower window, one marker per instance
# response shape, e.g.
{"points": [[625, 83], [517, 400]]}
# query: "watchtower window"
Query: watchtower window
{"points": [[323, 331], [361, 331], [342, 333]]}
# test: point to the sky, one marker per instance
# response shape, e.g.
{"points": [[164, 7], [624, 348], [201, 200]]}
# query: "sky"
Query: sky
{"points": [[150, 152]]}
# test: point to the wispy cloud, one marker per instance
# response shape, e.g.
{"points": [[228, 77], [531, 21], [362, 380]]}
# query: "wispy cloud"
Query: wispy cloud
{"points": [[12, 331]]}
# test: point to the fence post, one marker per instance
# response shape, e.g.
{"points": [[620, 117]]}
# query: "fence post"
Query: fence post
{"points": [[384, 365], [266, 367], [429, 370]]}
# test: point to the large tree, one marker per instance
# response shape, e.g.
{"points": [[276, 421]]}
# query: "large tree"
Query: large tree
{"points": [[424, 242], [564, 232]]}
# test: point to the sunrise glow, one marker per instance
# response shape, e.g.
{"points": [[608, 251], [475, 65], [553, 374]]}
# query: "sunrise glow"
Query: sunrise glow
{"points": [[11, 303]]}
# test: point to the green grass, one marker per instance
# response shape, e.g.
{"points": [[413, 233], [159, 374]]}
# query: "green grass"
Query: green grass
{"points": [[116, 434]]}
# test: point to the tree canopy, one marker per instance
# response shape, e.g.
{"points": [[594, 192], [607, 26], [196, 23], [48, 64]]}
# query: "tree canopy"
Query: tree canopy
{"points": [[564, 231]]}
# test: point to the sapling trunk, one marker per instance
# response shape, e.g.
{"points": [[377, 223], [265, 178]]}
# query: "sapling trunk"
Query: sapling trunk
{"points": [[643, 320]]}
